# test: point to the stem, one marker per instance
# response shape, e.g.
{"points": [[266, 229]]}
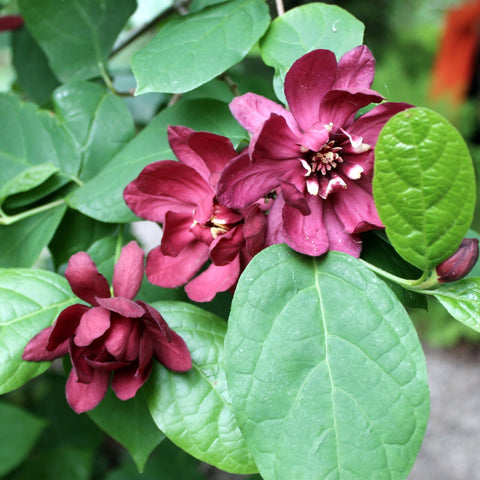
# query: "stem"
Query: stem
{"points": [[232, 85], [416, 285], [280, 7], [10, 219]]}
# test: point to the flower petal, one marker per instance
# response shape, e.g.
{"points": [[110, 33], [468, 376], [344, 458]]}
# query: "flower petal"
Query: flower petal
{"points": [[83, 397], [254, 229], [121, 333], [125, 382], [295, 198], [176, 233], [66, 324], [226, 247], [213, 280], [123, 306], [356, 70], [93, 324], [128, 271], [85, 280], [173, 352], [307, 81], [171, 272], [36, 349]]}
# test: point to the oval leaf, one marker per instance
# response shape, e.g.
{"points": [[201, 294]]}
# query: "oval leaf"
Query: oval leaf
{"points": [[193, 409], [30, 300], [325, 370], [193, 49], [424, 186]]}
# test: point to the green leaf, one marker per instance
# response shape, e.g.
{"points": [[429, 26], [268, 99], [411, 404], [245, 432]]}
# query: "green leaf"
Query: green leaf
{"points": [[193, 409], [424, 199], [100, 122], [32, 138], [306, 28], [462, 300], [31, 65], [325, 370], [193, 49], [102, 197], [77, 35], [22, 242], [18, 433], [129, 423], [30, 300]]}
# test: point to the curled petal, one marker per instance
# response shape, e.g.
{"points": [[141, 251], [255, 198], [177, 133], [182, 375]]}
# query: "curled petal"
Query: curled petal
{"points": [[226, 247], [65, 325], [356, 70], [36, 349], [83, 397], [171, 272], [93, 324], [85, 280], [176, 233], [295, 198], [213, 280], [254, 229], [128, 271], [172, 353], [123, 306], [121, 337], [125, 382]]}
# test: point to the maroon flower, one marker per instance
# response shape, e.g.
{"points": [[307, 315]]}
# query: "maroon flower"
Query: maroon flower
{"points": [[196, 227], [460, 263], [317, 157], [114, 334]]}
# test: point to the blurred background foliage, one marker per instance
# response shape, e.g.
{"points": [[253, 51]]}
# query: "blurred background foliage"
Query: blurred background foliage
{"points": [[404, 37]]}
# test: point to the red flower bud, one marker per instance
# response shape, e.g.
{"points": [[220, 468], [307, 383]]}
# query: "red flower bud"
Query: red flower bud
{"points": [[460, 263], [10, 22]]}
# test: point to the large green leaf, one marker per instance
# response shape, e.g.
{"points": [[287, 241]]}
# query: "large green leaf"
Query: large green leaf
{"points": [[30, 300], [101, 198], [423, 197], [193, 409], [325, 370], [22, 242], [19, 430], [306, 28], [129, 423], [100, 122], [33, 146], [77, 35], [462, 300], [193, 49]]}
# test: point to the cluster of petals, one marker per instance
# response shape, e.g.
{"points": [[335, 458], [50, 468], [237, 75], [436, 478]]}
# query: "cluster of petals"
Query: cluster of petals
{"points": [[316, 158], [181, 195], [114, 338]]}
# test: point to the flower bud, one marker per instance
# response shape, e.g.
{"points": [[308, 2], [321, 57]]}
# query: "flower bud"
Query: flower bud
{"points": [[460, 263]]}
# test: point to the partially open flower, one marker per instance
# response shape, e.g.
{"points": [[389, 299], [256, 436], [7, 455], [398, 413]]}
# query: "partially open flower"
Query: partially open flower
{"points": [[460, 263], [112, 334]]}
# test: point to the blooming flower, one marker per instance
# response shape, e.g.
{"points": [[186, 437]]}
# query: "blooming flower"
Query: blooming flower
{"points": [[196, 227], [317, 156], [112, 334], [460, 263]]}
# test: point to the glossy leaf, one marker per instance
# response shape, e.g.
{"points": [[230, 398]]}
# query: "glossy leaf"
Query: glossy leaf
{"points": [[462, 300], [423, 197], [129, 423], [30, 300], [22, 242], [99, 121], [193, 409], [76, 36], [102, 197], [326, 372], [19, 432], [306, 28], [193, 49]]}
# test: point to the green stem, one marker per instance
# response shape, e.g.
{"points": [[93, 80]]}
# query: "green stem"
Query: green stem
{"points": [[416, 285], [10, 219]]}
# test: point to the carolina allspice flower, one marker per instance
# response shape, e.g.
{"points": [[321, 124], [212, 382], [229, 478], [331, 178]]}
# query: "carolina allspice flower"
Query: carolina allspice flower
{"points": [[460, 263], [112, 334]]}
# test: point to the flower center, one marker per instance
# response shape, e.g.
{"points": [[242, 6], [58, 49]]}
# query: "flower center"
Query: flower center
{"points": [[324, 160]]}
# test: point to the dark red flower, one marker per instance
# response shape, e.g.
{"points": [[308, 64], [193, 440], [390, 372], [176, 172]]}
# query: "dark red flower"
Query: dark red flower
{"points": [[196, 227], [460, 263], [112, 334], [317, 156]]}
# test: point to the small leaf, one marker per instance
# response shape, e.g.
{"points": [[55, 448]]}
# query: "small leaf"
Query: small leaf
{"points": [[129, 423], [99, 121], [30, 300], [76, 36], [20, 430], [306, 28], [193, 49], [325, 370], [462, 300], [424, 197], [102, 197], [193, 409]]}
